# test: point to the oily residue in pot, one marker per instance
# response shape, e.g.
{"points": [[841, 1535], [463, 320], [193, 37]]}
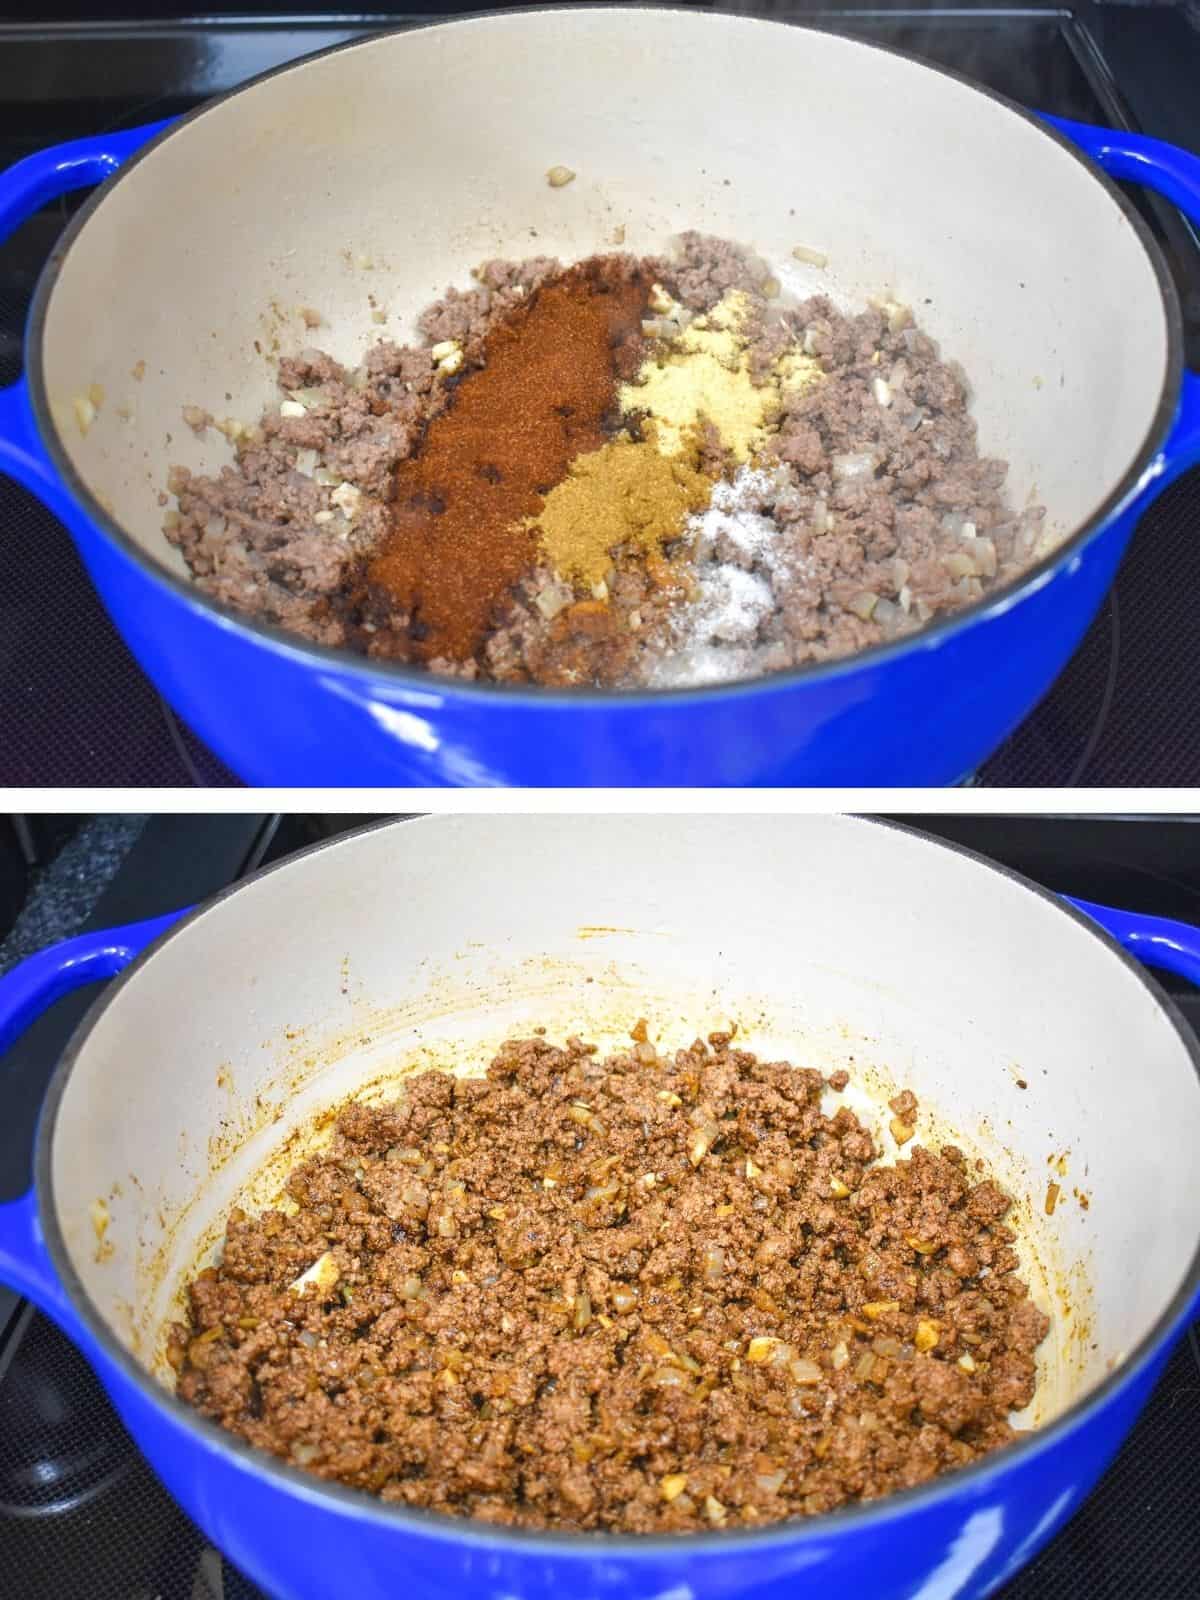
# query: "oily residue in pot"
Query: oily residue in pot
{"points": [[641, 1293]]}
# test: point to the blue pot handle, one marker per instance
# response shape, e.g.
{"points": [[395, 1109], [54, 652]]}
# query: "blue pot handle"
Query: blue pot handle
{"points": [[24, 189], [1173, 173], [25, 992], [1155, 941]]}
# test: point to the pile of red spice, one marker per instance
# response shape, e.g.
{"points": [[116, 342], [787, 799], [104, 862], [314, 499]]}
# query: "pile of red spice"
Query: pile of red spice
{"points": [[543, 396]]}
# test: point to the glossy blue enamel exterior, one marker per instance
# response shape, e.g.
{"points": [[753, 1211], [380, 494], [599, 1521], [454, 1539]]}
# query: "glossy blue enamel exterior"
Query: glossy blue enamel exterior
{"points": [[1156, 941], [50, 974], [959, 1545], [927, 712], [959, 1541], [62, 168]]}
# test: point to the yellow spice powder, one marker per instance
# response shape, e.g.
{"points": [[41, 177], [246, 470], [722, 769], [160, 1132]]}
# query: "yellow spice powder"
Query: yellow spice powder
{"points": [[705, 377], [626, 493]]}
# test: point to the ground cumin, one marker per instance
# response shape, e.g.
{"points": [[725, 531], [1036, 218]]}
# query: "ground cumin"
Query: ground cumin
{"points": [[625, 494], [459, 539]]}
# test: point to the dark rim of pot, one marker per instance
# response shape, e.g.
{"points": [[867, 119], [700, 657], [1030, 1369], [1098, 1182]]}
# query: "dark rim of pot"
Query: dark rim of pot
{"points": [[994, 604], [467, 1530]]}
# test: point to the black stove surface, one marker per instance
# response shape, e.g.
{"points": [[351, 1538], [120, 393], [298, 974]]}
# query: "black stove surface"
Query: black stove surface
{"points": [[82, 1517], [78, 710]]}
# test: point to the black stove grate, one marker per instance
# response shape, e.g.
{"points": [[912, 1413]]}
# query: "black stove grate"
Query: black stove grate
{"points": [[78, 710], [1126, 712]]}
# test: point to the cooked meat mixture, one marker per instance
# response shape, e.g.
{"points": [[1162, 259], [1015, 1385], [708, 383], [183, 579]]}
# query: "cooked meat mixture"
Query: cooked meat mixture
{"points": [[641, 1293], [624, 473]]}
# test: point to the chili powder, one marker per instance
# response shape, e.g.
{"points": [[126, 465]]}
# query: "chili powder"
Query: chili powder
{"points": [[546, 394]]}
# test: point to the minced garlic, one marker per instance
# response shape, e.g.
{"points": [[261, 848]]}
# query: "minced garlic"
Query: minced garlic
{"points": [[704, 377]]}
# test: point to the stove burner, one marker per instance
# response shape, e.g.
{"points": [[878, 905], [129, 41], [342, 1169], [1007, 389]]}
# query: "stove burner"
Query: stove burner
{"points": [[1064, 733], [210, 1582], [51, 1462]]}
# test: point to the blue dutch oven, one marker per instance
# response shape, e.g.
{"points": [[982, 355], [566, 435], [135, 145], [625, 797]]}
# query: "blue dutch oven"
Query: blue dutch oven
{"points": [[851, 941], [425, 151]]}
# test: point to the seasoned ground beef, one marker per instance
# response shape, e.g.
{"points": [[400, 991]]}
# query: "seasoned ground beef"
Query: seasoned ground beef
{"points": [[886, 516], [641, 1293]]}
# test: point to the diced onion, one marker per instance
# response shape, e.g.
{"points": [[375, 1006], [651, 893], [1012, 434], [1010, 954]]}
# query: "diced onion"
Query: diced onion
{"points": [[555, 597], [671, 1378], [810, 258], [985, 558], [405, 1156], [853, 466]]}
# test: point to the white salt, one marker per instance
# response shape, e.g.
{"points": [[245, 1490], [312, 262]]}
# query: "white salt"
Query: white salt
{"points": [[731, 605], [737, 555]]}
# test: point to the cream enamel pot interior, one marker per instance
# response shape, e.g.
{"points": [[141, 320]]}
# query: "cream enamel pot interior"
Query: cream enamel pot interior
{"points": [[425, 152], [832, 940]]}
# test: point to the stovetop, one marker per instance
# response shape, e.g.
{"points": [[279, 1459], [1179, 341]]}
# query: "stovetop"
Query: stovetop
{"points": [[76, 709], [81, 1516]]}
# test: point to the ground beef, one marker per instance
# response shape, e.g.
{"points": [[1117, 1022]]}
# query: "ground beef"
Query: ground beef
{"points": [[641, 1293], [889, 516], [273, 540], [705, 268]]}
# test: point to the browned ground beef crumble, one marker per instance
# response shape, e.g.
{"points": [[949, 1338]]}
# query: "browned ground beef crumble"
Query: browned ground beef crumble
{"points": [[922, 527], [641, 1293]]}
